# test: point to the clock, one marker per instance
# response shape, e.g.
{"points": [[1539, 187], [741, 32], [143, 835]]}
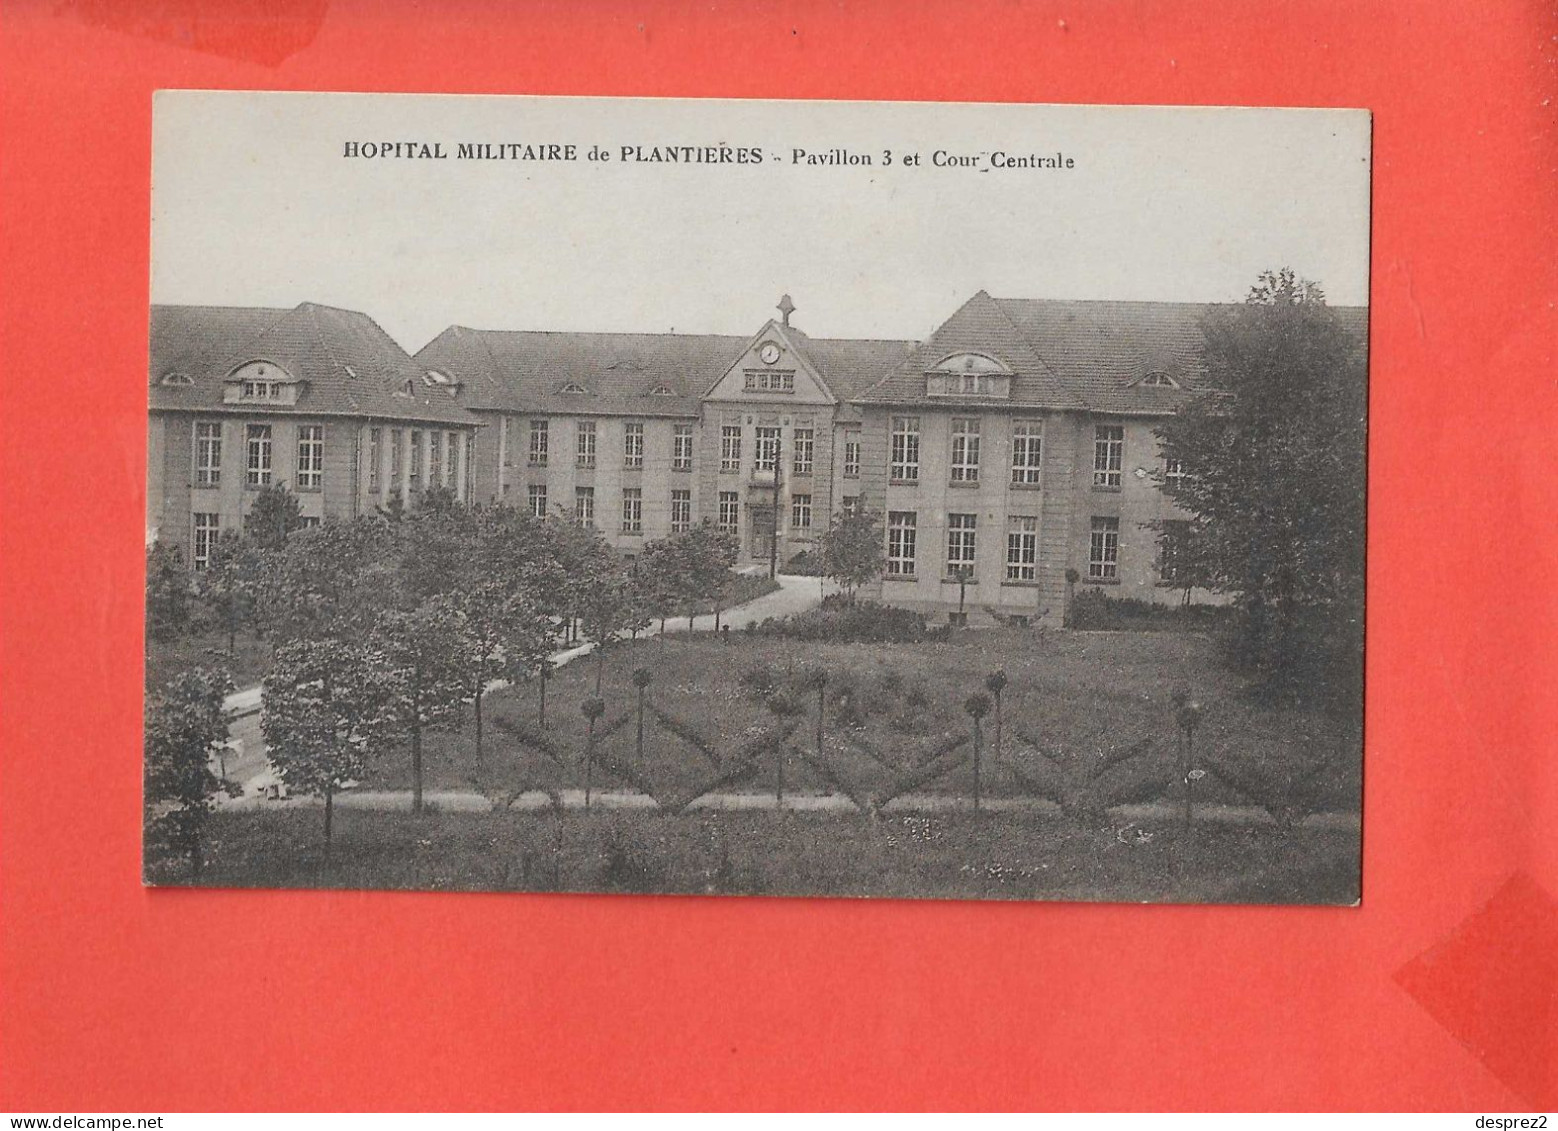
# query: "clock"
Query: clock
{"points": [[769, 353]]}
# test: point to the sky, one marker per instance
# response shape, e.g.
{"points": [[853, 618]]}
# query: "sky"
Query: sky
{"points": [[254, 203]]}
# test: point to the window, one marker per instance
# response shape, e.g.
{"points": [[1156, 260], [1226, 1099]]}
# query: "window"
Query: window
{"points": [[965, 449], [1173, 474], [633, 444], [1173, 546], [435, 456], [260, 390], [730, 448], [632, 510], [900, 543], [208, 454], [470, 465], [805, 442], [505, 440], [681, 448], [769, 381], [258, 442], [536, 495], [851, 504], [585, 450], [800, 511], [308, 521], [538, 443], [207, 527], [661, 391], [1027, 440], [375, 442], [311, 456], [767, 456], [906, 449], [416, 459], [584, 505], [1022, 548], [729, 511], [1108, 455], [681, 511], [573, 387], [960, 543], [852, 454], [450, 440], [1103, 554], [1159, 380], [395, 458]]}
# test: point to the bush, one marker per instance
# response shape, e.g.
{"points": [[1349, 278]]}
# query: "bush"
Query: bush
{"points": [[805, 563], [1094, 609], [838, 622]]}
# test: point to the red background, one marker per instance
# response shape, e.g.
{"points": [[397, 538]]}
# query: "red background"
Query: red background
{"points": [[119, 998]]}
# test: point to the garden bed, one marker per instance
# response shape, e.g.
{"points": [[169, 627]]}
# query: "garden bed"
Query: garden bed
{"points": [[1075, 707]]}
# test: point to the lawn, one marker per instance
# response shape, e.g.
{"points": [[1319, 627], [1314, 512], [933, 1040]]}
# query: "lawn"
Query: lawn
{"points": [[989, 856], [1088, 720]]}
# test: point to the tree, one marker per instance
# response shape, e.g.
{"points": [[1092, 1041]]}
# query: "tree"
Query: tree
{"points": [[705, 557], [167, 592], [185, 722], [427, 649], [229, 586], [331, 580], [274, 514], [326, 711], [852, 552], [1273, 455], [659, 580]]}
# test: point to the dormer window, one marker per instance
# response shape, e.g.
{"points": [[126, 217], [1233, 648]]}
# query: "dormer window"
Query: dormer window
{"points": [[1158, 379], [968, 375], [661, 391], [177, 380], [260, 382], [573, 387]]}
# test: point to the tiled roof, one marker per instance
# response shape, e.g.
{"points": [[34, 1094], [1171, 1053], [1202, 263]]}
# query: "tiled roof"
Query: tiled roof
{"points": [[527, 371], [347, 364], [1073, 353]]}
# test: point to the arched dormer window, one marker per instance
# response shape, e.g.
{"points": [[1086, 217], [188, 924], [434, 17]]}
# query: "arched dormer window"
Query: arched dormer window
{"points": [[969, 375], [177, 380], [662, 391], [573, 387], [1158, 379], [260, 382]]}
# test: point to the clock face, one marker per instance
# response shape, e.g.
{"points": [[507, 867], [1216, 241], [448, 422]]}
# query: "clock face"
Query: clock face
{"points": [[769, 353]]}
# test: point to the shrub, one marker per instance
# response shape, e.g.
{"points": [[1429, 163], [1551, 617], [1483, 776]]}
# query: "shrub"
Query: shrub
{"points": [[1096, 610], [835, 621], [805, 563]]}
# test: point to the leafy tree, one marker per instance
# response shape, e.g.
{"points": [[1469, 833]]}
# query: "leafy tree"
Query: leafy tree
{"points": [[229, 586], [184, 722], [852, 552], [607, 605], [274, 514], [332, 580], [428, 650], [327, 709], [167, 592], [705, 557], [1274, 456], [659, 579]]}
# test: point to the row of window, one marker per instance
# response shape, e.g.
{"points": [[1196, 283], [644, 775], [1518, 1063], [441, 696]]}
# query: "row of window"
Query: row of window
{"points": [[259, 460], [1027, 450], [1026, 464], [1022, 547], [728, 514], [258, 457]]}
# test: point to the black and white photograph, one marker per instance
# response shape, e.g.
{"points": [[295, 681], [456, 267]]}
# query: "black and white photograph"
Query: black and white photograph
{"points": [[704, 497]]}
